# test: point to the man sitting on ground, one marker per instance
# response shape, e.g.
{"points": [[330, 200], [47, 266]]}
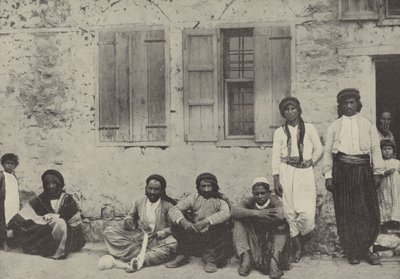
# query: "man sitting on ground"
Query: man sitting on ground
{"points": [[206, 233], [260, 231]]}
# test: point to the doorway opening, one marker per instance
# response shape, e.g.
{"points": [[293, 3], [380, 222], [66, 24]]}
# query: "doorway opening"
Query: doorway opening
{"points": [[387, 69]]}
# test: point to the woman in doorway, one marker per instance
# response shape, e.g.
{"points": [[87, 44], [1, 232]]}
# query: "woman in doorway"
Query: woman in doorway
{"points": [[383, 124]]}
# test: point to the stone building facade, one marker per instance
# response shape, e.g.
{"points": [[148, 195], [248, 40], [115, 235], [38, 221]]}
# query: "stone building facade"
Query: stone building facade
{"points": [[62, 102]]}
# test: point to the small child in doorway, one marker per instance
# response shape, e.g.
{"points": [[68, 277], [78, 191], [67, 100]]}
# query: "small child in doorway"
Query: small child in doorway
{"points": [[9, 195], [389, 190]]}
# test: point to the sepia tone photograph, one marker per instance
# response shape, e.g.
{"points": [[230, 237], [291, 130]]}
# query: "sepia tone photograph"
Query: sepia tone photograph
{"points": [[200, 139]]}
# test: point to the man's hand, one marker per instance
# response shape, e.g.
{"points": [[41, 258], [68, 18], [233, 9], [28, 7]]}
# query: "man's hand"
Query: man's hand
{"points": [[187, 226], [50, 217], [389, 172], [129, 224], [202, 224], [329, 184], [154, 235], [268, 213], [278, 186], [377, 179]]}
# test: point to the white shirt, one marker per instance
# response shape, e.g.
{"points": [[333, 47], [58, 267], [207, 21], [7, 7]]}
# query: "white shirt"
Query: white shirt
{"points": [[264, 206], [11, 202], [349, 137], [312, 148], [151, 212]]}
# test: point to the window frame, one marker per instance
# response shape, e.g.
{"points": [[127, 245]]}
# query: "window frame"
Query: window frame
{"points": [[383, 12], [132, 28], [223, 53], [247, 141], [357, 16]]}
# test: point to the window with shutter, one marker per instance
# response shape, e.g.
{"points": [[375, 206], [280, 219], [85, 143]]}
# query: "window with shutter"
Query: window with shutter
{"points": [[358, 10], [133, 95], [389, 12], [234, 79]]}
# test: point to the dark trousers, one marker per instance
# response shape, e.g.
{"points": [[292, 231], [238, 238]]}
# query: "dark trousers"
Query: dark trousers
{"points": [[213, 245], [356, 205]]}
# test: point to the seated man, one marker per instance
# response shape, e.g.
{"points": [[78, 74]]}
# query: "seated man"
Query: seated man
{"points": [[149, 214], [50, 225], [206, 232], [260, 231]]}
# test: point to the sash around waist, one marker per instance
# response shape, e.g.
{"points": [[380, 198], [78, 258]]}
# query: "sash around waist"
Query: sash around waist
{"points": [[358, 159], [294, 162]]}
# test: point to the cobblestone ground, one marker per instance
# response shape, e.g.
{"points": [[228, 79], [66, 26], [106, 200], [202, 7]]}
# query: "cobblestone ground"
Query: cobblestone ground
{"points": [[14, 264]]}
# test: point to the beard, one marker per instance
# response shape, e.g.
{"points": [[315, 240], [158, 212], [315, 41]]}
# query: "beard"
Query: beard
{"points": [[207, 195], [152, 198]]}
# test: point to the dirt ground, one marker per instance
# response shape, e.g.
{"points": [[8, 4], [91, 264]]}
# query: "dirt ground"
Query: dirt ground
{"points": [[14, 264]]}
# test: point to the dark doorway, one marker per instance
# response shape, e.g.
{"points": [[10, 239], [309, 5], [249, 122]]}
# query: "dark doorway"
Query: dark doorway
{"points": [[388, 91]]}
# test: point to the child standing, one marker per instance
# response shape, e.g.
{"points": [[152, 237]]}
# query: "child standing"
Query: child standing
{"points": [[9, 193], [389, 191]]}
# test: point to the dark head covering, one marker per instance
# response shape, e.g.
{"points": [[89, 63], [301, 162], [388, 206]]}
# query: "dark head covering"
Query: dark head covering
{"points": [[207, 176], [348, 93], [10, 157], [301, 131], [56, 174], [213, 180], [159, 178], [163, 183], [289, 101]]}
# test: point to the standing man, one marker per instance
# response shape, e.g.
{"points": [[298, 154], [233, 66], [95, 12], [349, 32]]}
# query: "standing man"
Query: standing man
{"points": [[352, 167], [260, 231], [297, 148], [201, 225]]}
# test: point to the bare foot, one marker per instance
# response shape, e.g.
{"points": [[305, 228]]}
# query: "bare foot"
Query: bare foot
{"points": [[134, 265]]}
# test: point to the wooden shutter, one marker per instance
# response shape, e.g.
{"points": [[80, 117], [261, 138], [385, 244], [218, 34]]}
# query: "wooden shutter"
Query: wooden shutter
{"points": [[200, 85], [272, 77], [132, 87], [358, 10], [114, 118]]}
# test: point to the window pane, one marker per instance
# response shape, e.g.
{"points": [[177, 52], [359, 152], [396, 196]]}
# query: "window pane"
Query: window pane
{"points": [[240, 108], [393, 7], [238, 53]]}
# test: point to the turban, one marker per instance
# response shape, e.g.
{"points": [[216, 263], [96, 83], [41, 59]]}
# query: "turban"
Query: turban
{"points": [[348, 93], [289, 101], [207, 176], [159, 178], [53, 173]]}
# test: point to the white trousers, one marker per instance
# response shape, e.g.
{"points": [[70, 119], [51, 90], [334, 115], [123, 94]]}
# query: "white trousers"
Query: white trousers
{"points": [[299, 198]]}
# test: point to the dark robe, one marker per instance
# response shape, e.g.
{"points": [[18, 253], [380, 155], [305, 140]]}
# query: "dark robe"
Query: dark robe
{"points": [[37, 238]]}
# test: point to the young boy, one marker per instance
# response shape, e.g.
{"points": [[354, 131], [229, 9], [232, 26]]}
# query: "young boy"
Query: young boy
{"points": [[9, 195]]}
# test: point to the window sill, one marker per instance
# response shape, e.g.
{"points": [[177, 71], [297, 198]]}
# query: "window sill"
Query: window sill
{"points": [[389, 22], [243, 143], [132, 144]]}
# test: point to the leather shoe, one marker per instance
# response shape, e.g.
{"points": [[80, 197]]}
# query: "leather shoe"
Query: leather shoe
{"points": [[353, 260], [211, 268], [372, 259], [179, 261]]}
